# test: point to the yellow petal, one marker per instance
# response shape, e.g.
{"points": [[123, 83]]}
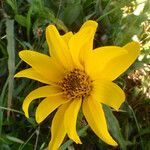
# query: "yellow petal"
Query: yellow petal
{"points": [[58, 131], [95, 117], [98, 58], [43, 64], [85, 51], [108, 93], [47, 106], [32, 74], [118, 65], [70, 120], [66, 37], [82, 42], [93, 26], [58, 47], [44, 91], [90, 23]]}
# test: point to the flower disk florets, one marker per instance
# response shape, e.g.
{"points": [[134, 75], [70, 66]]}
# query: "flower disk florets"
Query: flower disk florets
{"points": [[76, 84]]}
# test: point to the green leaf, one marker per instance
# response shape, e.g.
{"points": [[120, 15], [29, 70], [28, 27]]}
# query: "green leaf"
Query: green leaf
{"points": [[21, 20], [71, 13]]}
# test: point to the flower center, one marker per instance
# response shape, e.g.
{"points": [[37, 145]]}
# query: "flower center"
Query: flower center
{"points": [[76, 84]]}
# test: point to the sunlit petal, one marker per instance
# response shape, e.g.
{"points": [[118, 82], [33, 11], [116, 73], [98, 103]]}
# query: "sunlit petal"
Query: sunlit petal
{"points": [[108, 93], [70, 120], [47, 106], [98, 58], [58, 131], [66, 37], [84, 52], [118, 65], [43, 64], [41, 92], [82, 42], [32, 74], [95, 117], [58, 47]]}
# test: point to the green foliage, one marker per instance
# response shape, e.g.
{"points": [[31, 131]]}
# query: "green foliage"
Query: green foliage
{"points": [[22, 26]]}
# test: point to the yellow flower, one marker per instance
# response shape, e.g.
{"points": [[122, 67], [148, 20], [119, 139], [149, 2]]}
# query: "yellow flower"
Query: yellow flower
{"points": [[77, 77]]}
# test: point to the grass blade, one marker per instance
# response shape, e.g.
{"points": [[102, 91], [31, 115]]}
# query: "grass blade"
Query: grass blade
{"points": [[11, 60]]}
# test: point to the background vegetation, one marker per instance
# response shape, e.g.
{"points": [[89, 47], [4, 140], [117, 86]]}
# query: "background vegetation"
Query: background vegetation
{"points": [[22, 26]]}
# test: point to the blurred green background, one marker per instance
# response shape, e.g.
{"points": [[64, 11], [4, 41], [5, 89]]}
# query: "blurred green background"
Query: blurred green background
{"points": [[22, 26]]}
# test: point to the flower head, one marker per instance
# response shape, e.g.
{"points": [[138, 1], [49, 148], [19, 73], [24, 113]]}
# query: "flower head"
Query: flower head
{"points": [[77, 77]]}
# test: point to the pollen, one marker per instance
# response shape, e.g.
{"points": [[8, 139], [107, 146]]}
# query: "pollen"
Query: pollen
{"points": [[76, 84]]}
